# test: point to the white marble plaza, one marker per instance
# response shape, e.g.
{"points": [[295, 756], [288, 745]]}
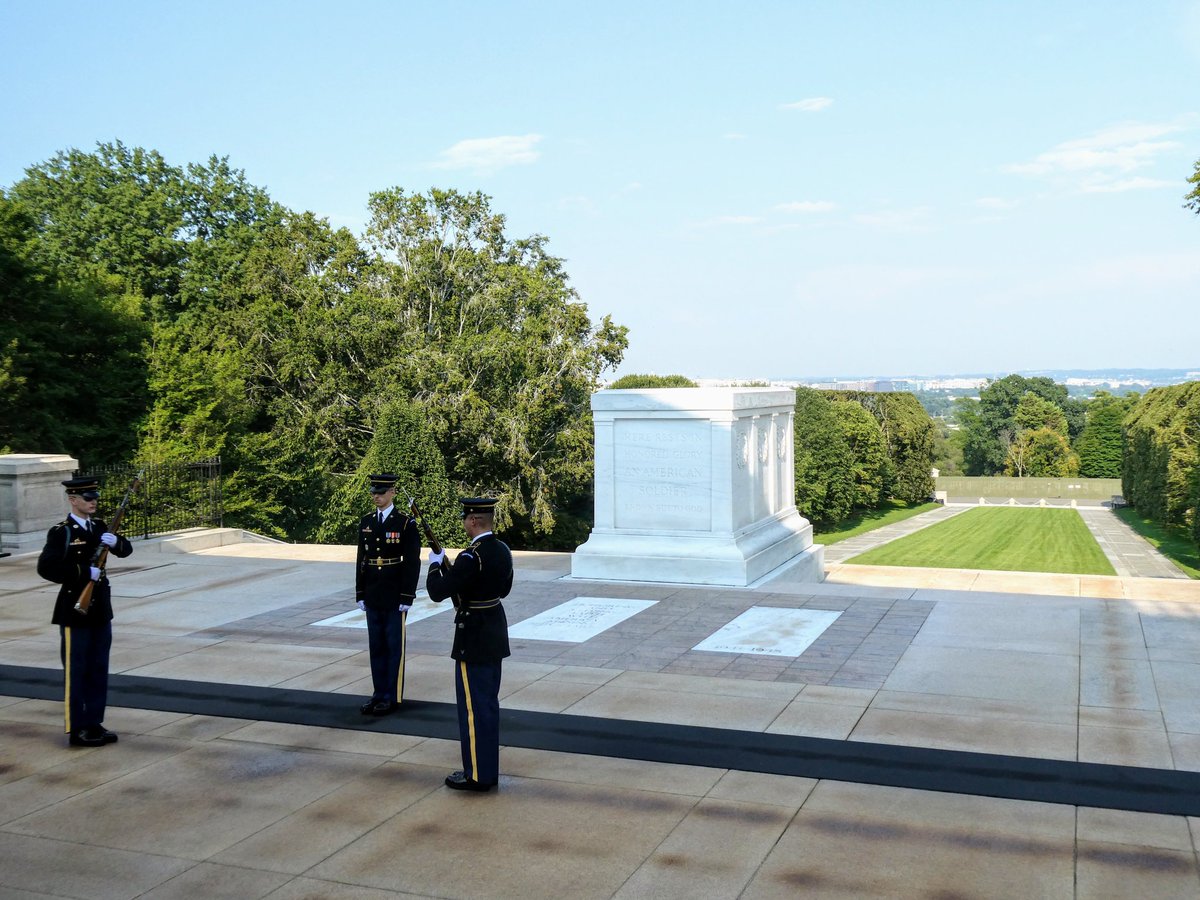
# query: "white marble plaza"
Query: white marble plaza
{"points": [[423, 608], [770, 631], [578, 620]]}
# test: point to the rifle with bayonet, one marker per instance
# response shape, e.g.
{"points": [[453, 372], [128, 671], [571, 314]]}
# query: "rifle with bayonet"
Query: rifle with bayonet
{"points": [[434, 544], [100, 557]]}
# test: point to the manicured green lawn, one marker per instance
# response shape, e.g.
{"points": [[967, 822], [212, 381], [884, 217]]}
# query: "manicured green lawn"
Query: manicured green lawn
{"points": [[1171, 541], [868, 520], [1007, 539]]}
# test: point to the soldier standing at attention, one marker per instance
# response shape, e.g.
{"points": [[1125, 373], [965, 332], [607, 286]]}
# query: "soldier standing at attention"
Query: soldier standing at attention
{"points": [[481, 576], [385, 585], [86, 638]]}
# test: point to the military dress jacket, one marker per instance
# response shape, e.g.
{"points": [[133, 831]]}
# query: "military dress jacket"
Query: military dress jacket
{"points": [[67, 559], [481, 576], [389, 560]]}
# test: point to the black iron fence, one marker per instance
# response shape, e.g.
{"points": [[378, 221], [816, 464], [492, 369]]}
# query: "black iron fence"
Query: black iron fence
{"points": [[172, 496]]}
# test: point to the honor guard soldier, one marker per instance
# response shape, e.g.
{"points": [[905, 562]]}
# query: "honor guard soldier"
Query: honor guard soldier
{"points": [[481, 576], [70, 557], [385, 585]]}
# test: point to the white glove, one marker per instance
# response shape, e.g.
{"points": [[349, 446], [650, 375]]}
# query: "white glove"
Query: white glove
{"points": [[405, 607], [95, 574], [437, 558], [108, 539], [361, 605]]}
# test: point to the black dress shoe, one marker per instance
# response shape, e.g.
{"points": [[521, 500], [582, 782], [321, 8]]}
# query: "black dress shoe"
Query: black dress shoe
{"points": [[460, 782], [109, 737], [85, 737], [367, 708], [383, 707]]}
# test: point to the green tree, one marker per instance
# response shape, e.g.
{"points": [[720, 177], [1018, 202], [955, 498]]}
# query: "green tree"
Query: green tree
{"points": [[499, 350], [274, 340], [1041, 453], [908, 433], [1041, 448], [989, 425], [824, 462], [402, 445], [1162, 455], [947, 452], [72, 373], [1101, 446], [870, 469], [1033, 412]]}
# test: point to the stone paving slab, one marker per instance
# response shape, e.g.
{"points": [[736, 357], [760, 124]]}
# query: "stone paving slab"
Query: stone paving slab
{"points": [[1135, 669]]}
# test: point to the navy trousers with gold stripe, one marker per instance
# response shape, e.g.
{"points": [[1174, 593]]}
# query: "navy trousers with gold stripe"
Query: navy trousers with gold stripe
{"points": [[386, 637], [84, 653], [477, 688]]}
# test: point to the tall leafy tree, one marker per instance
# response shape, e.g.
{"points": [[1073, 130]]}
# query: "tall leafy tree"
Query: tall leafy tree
{"points": [[402, 445], [989, 425], [496, 346], [871, 467], [909, 434], [1102, 443], [72, 371], [824, 462], [1162, 454], [275, 340]]}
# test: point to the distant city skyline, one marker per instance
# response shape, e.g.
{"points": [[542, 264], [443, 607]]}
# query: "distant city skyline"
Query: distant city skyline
{"points": [[1099, 378], [773, 187]]}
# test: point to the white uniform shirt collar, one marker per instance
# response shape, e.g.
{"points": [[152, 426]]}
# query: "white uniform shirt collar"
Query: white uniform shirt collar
{"points": [[83, 523], [384, 513]]}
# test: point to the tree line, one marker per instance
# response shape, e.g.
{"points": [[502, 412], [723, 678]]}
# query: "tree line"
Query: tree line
{"points": [[158, 313], [855, 450], [1161, 477], [1031, 428]]}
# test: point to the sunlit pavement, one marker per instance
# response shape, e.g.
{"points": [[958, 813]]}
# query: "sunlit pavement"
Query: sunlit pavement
{"points": [[915, 669]]}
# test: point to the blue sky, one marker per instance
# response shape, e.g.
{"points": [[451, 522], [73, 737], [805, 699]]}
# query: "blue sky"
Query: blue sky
{"points": [[757, 190]]}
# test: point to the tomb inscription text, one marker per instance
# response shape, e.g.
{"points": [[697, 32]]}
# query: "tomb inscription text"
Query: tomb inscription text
{"points": [[663, 474]]}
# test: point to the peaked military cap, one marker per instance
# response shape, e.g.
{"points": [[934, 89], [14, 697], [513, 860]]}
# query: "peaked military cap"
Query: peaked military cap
{"points": [[484, 505], [382, 483], [86, 486]]}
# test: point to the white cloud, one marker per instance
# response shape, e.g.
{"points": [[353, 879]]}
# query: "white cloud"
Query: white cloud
{"points": [[487, 155], [1096, 163], [806, 206], [811, 104]]}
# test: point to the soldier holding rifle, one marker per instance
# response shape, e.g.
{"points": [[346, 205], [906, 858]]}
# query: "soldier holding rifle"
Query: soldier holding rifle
{"points": [[481, 576], [74, 557]]}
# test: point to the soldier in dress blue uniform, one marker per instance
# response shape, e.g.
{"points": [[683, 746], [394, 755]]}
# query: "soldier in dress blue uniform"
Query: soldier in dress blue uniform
{"points": [[481, 576], [72, 548], [385, 585]]}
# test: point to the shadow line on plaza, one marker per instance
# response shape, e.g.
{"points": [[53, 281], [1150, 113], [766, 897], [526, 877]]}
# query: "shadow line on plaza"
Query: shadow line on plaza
{"points": [[1132, 788]]}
